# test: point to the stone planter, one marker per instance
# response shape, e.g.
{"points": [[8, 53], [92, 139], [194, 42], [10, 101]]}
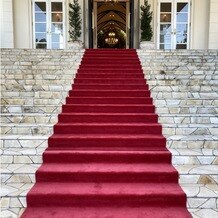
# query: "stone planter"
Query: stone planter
{"points": [[75, 45], [147, 45]]}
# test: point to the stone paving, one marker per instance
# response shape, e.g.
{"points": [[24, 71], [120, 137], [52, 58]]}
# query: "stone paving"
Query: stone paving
{"points": [[184, 85]]}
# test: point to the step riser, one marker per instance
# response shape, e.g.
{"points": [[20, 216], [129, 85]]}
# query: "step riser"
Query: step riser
{"points": [[104, 143], [109, 93], [109, 67], [104, 75], [109, 87], [107, 71], [110, 81], [107, 109], [112, 62], [109, 118], [98, 201], [109, 101], [107, 130], [105, 158], [106, 177], [109, 55], [100, 53]]}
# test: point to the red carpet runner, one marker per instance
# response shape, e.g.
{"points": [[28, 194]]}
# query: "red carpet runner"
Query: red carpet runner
{"points": [[107, 157]]}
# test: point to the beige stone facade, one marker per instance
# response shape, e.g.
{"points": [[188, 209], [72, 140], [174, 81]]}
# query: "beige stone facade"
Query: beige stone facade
{"points": [[18, 23]]}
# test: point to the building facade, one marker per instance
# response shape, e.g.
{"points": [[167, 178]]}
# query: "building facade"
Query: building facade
{"points": [[177, 24]]}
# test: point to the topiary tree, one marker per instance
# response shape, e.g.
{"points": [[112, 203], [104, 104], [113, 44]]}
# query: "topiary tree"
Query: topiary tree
{"points": [[146, 18], [75, 20]]}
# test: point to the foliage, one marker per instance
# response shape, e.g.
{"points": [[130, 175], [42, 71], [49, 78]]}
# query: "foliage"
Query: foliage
{"points": [[75, 20], [146, 18]]}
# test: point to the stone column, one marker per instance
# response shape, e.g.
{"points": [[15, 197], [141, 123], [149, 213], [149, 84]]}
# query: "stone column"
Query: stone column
{"points": [[213, 25], [6, 27]]}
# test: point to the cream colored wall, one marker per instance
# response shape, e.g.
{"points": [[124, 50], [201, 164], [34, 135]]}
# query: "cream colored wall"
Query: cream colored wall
{"points": [[199, 23], [22, 23], [213, 25], [6, 27], [204, 23]]}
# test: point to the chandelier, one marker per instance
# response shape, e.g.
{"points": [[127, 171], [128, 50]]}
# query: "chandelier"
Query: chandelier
{"points": [[111, 1], [111, 40]]}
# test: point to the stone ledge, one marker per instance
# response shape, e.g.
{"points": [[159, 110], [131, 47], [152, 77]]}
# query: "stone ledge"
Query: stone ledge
{"points": [[196, 213]]}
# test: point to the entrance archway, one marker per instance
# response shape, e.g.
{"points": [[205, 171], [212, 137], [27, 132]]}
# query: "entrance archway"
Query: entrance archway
{"points": [[111, 24]]}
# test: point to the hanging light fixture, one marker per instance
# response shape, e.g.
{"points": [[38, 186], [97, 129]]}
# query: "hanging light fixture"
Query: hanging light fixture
{"points": [[110, 1], [111, 40]]}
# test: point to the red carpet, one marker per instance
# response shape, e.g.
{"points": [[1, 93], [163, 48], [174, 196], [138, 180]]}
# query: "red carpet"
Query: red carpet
{"points": [[107, 157]]}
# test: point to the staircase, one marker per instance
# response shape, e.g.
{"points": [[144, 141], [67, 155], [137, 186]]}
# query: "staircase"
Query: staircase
{"points": [[34, 85], [183, 84], [107, 156]]}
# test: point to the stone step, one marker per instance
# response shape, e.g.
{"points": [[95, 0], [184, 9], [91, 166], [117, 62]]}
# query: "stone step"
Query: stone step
{"points": [[24, 168], [45, 74], [18, 176], [38, 142], [35, 88], [180, 156], [57, 97], [161, 67], [176, 141], [205, 198], [186, 110], [188, 119], [185, 97], [203, 91], [168, 129], [185, 89], [25, 129], [35, 94], [52, 118], [49, 77], [36, 67], [180, 76], [188, 102], [29, 118], [193, 141], [31, 101], [13, 207], [16, 109]]}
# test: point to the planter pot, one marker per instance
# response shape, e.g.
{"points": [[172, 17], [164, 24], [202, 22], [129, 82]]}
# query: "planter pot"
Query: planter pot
{"points": [[147, 45], [75, 45]]}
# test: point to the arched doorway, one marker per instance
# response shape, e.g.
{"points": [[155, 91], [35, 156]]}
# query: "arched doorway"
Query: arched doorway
{"points": [[111, 24]]}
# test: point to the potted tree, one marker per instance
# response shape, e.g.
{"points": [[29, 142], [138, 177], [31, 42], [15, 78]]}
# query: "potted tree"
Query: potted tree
{"points": [[75, 25], [146, 29]]}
